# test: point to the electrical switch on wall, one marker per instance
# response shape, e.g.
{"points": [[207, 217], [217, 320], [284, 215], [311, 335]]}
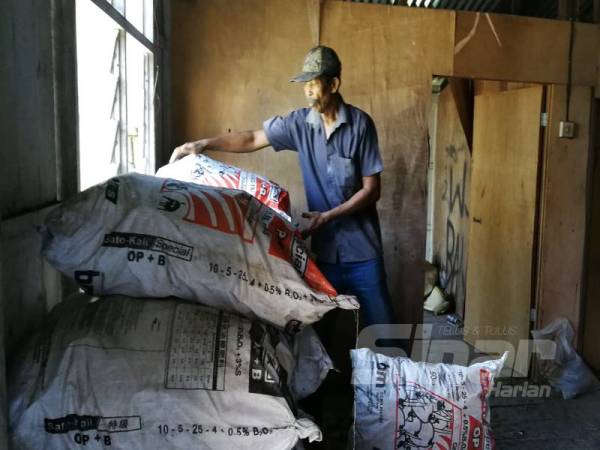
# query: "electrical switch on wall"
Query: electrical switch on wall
{"points": [[566, 129]]}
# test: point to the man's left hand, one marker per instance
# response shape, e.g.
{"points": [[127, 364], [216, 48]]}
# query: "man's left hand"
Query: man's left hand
{"points": [[316, 220]]}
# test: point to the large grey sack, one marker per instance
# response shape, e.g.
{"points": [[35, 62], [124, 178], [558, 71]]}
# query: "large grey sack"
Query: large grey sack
{"points": [[146, 236], [133, 374]]}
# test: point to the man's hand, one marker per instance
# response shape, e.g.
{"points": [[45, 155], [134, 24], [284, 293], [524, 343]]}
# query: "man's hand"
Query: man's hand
{"points": [[316, 220], [189, 148]]}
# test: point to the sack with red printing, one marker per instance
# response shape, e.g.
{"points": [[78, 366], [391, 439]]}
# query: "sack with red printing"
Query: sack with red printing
{"points": [[401, 403], [145, 236], [201, 169]]}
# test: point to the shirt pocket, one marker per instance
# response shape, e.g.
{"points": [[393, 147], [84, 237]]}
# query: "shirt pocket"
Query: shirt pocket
{"points": [[344, 173]]}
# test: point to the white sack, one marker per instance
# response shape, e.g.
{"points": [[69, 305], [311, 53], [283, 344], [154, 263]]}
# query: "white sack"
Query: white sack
{"points": [[201, 169], [146, 236], [405, 404], [135, 374]]}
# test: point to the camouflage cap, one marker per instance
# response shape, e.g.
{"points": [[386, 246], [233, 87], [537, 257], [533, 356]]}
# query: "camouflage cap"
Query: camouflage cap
{"points": [[319, 61]]}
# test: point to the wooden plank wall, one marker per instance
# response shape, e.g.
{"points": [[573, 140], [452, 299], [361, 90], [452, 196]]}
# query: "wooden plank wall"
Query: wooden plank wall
{"points": [[562, 206], [389, 57], [503, 207], [28, 159], [534, 50], [451, 198], [524, 49], [487, 86], [563, 209], [231, 65], [28, 177], [39, 137]]}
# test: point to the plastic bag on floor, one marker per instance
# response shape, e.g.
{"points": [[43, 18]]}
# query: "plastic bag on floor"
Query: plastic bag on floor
{"points": [[135, 374], [312, 363], [201, 169], [400, 403], [146, 236], [559, 363]]}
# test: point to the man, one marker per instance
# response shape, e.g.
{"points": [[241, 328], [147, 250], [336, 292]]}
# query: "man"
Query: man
{"points": [[341, 166]]}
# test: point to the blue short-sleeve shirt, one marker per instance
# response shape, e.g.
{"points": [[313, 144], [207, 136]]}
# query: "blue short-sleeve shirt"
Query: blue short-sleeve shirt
{"points": [[332, 170]]}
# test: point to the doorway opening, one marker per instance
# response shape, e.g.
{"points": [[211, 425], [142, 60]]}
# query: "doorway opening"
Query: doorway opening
{"points": [[486, 144]]}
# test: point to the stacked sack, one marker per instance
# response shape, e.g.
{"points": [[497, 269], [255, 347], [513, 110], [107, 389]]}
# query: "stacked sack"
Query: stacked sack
{"points": [[146, 236], [201, 169], [219, 364]]}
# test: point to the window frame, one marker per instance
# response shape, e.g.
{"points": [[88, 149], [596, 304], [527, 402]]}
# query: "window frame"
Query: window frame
{"points": [[66, 89]]}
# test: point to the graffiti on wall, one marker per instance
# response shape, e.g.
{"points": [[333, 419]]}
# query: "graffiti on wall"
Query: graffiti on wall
{"points": [[454, 196]]}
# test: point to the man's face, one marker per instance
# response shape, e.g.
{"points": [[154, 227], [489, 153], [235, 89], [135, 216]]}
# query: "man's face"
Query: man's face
{"points": [[318, 94]]}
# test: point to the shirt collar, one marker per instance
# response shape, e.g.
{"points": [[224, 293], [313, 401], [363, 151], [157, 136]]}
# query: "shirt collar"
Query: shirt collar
{"points": [[343, 116]]}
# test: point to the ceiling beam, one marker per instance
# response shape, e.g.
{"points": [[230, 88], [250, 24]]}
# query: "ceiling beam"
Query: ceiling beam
{"points": [[564, 9]]}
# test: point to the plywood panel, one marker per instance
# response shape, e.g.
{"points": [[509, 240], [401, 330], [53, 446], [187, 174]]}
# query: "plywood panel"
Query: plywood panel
{"points": [[452, 192], [402, 43], [503, 208], [488, 87], [563, 205], [524, 49], [389, 54], [231, 65]]}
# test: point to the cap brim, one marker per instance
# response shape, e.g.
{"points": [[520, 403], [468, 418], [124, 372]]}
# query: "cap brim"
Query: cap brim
{"points": [[304, 77]]}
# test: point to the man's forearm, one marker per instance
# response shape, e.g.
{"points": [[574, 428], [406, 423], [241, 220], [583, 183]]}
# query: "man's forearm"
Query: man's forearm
{"points": [[239, 142], [360, 200], [365, 197]]}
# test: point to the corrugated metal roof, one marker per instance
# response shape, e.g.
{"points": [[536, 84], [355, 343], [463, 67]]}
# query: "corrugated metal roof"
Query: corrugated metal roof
{"points": [[533, 8]]}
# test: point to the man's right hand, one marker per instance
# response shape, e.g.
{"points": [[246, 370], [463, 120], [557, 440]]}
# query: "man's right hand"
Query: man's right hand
{"points": [[189, 148]]}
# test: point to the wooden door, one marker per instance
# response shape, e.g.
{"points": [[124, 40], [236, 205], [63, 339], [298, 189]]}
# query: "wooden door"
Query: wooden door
{"points": [[506, 147]]}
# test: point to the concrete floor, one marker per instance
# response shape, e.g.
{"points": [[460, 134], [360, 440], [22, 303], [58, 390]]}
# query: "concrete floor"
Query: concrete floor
{"points": [[542, 423], [517, 423], [548, 424]]}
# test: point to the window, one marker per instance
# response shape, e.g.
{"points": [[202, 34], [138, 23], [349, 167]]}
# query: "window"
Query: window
{"points": [[116, 80]]}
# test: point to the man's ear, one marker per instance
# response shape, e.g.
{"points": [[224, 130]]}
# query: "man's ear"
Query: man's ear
{"points": [[335, 85]]}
